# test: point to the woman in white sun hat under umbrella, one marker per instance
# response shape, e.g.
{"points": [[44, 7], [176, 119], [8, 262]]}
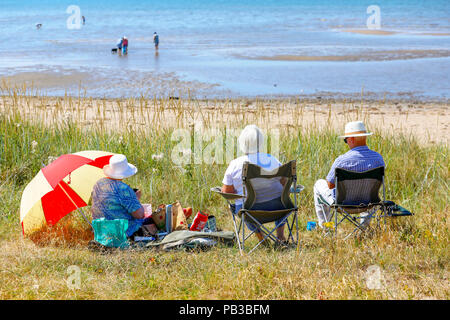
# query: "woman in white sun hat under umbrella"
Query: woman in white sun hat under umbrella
{"points": [[114, 199]]}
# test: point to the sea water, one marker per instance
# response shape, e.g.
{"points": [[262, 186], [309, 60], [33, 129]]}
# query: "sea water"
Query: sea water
{"points": [[229, 48]]}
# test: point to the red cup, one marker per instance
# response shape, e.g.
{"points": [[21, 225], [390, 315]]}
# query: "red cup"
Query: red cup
{"points": [[199, 221]]}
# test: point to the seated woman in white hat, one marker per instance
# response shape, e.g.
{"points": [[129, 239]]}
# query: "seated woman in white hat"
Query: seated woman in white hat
{"points": [[251, 143], [114, 199], [359, 159]]}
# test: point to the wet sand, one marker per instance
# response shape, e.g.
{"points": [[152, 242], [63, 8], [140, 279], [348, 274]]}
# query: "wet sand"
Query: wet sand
{"points": [[365, 56], [429, 122], [379, 32], [100, 82]]}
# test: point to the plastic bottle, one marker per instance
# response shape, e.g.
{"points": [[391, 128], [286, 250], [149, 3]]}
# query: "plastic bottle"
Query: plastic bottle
{"points": [[199, 221], [169, 218]]}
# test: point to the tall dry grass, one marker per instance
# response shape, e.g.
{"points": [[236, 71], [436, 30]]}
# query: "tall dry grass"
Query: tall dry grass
{"points": [[412, 253]]}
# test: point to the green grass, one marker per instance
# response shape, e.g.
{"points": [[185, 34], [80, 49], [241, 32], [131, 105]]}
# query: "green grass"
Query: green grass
{"points": [[412, 253]]}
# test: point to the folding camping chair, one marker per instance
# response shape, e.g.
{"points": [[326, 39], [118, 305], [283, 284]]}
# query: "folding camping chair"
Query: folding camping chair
{"points": [[259, 217], [356, 193]]}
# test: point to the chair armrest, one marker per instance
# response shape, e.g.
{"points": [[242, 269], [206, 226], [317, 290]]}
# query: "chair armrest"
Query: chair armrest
{"points": [[228, 196]]}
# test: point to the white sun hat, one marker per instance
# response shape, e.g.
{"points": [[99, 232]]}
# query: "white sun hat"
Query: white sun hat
{"points": [[355, 129], [119, 168]]}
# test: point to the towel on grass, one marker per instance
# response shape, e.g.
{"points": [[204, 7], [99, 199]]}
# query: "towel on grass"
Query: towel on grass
{"points": [[183, 238]]}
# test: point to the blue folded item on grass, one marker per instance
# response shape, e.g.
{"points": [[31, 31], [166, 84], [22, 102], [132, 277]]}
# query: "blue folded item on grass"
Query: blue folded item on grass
{"points": [[311, 225], [111, 233]]}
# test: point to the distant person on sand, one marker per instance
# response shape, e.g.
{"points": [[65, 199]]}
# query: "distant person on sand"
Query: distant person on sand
{"points": [[119, 45], [156, 40], [124, 45], [83, 19]]}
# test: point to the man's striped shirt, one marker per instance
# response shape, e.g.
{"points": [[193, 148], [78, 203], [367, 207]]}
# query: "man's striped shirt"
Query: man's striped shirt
{"points": [[358, 159]]}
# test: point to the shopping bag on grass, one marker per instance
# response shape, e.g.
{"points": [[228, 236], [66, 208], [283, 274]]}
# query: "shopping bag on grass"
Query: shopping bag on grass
{"points": [[178, 217], [159, 216]]}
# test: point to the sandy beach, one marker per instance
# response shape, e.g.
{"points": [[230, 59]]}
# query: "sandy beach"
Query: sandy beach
{"points": [[429, 122]]}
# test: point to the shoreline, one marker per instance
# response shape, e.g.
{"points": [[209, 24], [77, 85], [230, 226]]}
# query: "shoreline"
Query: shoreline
{"points": [[254, 82]]}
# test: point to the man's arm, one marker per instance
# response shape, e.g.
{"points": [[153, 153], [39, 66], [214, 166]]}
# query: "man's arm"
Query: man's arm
{"points": [[228, 189], [330, 177]]}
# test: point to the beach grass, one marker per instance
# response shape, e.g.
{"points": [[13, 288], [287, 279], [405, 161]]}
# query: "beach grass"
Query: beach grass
{"points": [[412, 253]]}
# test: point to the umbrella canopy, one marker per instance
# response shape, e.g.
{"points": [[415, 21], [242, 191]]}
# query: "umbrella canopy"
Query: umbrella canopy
{"points": [[60, 188]]}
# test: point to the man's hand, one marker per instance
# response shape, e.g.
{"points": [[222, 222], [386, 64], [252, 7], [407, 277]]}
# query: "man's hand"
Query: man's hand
{"points": [[330, 185]]}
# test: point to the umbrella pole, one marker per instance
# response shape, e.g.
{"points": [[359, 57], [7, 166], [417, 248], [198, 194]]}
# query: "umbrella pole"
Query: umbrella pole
{"points": [[87, 220], [78, 208]]}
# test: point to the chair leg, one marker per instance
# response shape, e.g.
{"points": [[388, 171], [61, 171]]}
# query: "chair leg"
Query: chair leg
{"points": [[243, 231], [346, 216], [242, 237], [236, 232], [291, 228], [335, 222]]}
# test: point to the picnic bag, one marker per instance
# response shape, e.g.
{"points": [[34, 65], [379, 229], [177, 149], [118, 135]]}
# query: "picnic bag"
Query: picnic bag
{"points": [[178, 217], [159, 216]]}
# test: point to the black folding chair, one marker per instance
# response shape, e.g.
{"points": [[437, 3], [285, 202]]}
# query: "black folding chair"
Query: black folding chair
{"points": [[358, 192], [259, 217]]}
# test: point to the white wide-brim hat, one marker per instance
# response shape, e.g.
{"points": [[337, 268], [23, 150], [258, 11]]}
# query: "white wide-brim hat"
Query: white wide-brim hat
{"points": [[119, 168], [355, 129]]}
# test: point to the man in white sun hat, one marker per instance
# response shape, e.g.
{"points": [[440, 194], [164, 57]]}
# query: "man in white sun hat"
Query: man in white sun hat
{"points": [[359, 158], [114, 199]]}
